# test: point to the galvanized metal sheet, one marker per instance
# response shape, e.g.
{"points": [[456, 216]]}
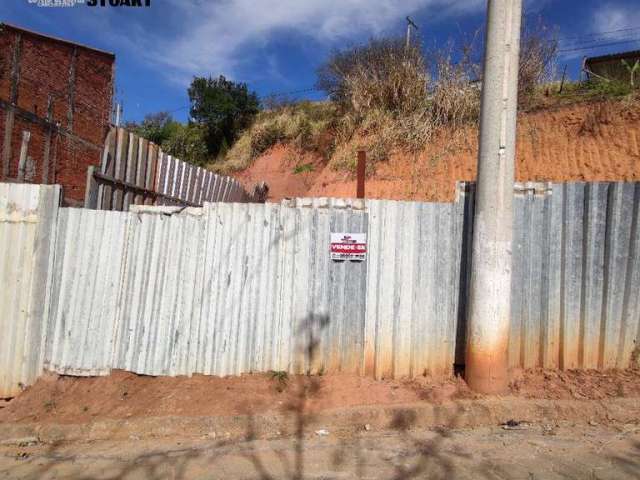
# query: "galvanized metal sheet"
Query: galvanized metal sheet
{"points": [[273, 299], [249, 317], [233, 288], [575, 276], [87, 291], [27, 237], [160, 291], [412, 287]]}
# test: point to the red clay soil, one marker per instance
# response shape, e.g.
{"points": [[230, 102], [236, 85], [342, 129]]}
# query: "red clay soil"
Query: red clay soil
{"points": [[581, 142], [122, 395], [277, 167]]}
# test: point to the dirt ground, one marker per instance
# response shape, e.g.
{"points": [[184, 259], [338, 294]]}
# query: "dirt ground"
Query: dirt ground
{"points": [[551, 425], [529, 452], [61, 400], [582, 142]]}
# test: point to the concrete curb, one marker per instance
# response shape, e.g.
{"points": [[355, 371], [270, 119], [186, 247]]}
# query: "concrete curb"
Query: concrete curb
{"points": [[458, 414]]}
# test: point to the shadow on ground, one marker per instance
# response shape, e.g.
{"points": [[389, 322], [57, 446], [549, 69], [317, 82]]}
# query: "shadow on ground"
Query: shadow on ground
{"points": [[401, 449]]}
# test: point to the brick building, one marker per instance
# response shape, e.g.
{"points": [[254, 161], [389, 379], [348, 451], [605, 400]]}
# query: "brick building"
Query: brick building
{"points": [[61, 93]]}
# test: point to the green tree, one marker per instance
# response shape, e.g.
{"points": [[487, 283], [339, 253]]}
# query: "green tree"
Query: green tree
{"points": [[223, 108], [188, 144], [156, 127]]}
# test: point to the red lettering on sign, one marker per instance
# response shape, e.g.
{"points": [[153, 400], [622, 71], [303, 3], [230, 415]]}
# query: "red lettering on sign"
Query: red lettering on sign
{"points": [[348, 248]]}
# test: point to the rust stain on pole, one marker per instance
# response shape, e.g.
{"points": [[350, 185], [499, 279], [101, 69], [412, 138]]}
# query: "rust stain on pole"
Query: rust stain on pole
{"points": [[489, 306], [485, 369], [362, 165]]}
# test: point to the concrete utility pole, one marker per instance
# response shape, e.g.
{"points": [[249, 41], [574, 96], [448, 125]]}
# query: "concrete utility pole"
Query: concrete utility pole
{"points": [[490, 290], [118, 113], [409, 25]]}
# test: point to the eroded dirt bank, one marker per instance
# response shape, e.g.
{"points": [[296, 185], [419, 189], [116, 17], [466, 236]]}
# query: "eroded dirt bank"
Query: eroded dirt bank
{"points": [[122, 395], [582, 142], [551, 425]]}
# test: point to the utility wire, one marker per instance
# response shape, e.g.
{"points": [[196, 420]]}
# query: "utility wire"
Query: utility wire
{"points": [[273, 94], [569, 48], [600, 45], [280, 94], [178, 109], [593, 34], [597, 40]]}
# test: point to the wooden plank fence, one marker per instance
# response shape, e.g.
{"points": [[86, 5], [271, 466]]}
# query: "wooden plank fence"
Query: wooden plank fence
{"points": [[134, 171]]}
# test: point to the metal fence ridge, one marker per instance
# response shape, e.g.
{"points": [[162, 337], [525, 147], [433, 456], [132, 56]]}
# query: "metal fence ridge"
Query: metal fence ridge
{"points": [[230, 288]]}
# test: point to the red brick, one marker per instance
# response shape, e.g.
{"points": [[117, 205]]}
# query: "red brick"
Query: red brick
{"points": [[45, 72]]}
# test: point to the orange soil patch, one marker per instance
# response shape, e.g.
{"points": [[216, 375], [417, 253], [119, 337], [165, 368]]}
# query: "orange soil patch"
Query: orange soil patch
{"points": [[582, 142], [62, 400], [277, 168]]}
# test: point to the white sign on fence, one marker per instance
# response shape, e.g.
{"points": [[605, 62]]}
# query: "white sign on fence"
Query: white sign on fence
{"points": [[349, 246]]}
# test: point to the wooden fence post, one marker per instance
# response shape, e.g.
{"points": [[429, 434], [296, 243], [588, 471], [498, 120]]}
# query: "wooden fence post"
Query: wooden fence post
{"points": [[91, 192], [24, 150]]}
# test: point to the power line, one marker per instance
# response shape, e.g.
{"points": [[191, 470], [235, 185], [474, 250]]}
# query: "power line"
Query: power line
{"points": [[295, 92], [594, 40], [178, 109], [562, 50], [593, 34], [600, 45], [273, 94]]}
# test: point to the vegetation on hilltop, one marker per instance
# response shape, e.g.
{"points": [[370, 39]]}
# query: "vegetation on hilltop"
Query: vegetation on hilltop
{"points": [[220, 110], [383, 96]]}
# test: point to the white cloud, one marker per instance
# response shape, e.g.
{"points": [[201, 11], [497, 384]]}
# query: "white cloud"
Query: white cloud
{"points": [[224, 36], [608, 24], [610, 17]]}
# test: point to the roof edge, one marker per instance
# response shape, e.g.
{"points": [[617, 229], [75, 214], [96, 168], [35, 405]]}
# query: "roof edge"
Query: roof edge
{"points": [[614, 56], [56, 39]]}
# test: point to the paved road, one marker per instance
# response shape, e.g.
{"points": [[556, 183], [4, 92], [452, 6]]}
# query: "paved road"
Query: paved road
{"points": [[536, 452]]}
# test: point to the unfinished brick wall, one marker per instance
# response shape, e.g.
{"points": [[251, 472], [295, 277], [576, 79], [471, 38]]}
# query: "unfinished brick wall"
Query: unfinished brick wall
{"points": [[61, 93]]}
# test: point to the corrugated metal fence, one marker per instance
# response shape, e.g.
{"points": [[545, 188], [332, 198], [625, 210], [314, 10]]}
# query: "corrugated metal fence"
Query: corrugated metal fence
{"points": [[27, 235], [225, 289], [412, 287], [576, 276], [232, 288]]}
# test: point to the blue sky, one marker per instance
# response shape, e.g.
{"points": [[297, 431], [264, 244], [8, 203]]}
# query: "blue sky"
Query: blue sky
{"points": [[276, 46]]}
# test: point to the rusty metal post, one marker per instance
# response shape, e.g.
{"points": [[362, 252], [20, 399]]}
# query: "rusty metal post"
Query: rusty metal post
{"points": [[564, 76], [362, 167]]}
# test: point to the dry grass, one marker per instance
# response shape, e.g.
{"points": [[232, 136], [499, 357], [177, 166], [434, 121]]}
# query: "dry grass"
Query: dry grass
{"points": [[538, 54], [406, 108], [456, 94], [387, 97], [383, 74], [301, 125], [392, 102]]}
